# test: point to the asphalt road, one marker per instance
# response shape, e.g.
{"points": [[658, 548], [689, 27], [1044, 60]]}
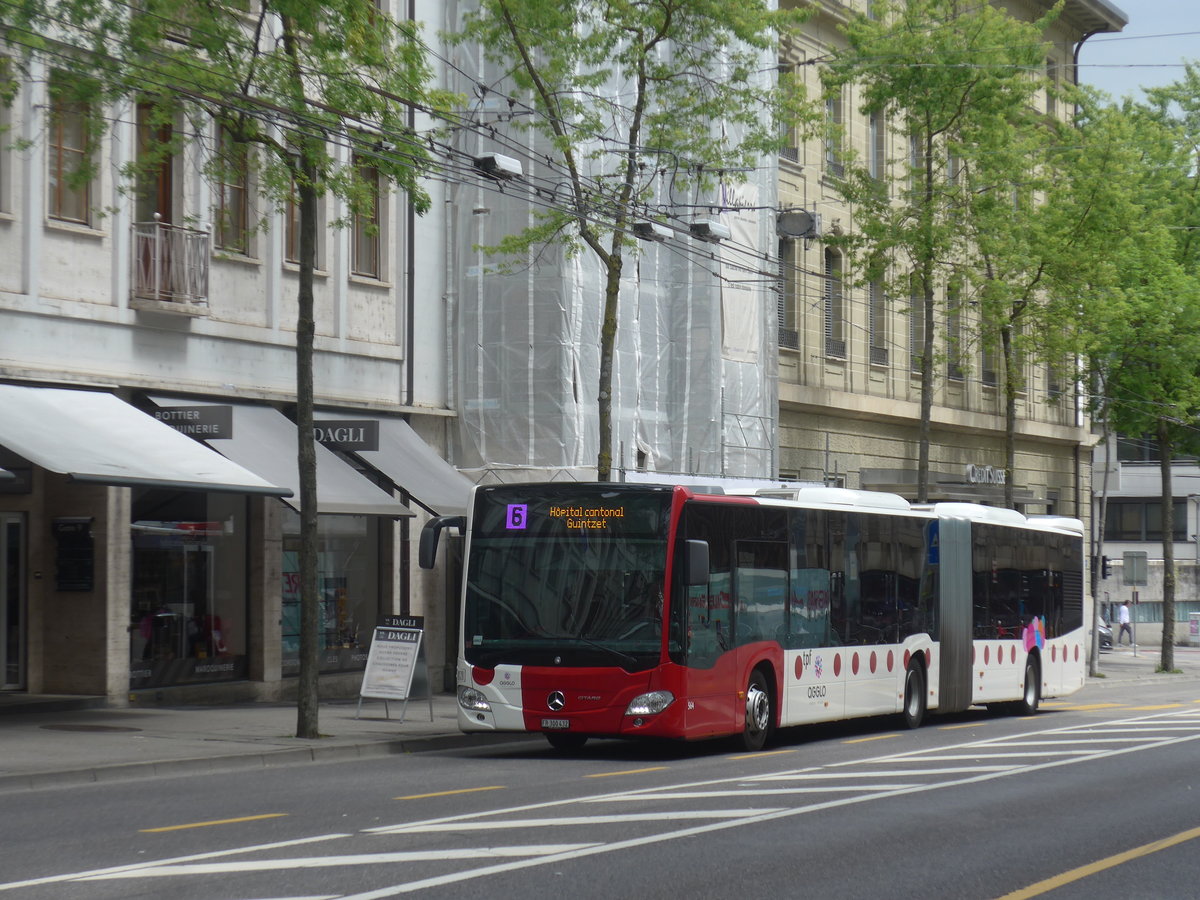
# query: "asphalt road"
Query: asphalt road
{"points": [[1098, 796]]}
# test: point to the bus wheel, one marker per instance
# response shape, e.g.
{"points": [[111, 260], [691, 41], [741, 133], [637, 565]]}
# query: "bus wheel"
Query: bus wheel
{"points": [[914, 696], [1032, 695], [566, 741], [759, 716]]}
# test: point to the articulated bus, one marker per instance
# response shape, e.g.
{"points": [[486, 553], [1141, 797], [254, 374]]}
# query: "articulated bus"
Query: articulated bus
{"points": [[620, 610]]}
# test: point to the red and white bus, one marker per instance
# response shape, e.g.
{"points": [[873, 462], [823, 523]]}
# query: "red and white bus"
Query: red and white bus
{"points": [[620, 610]]}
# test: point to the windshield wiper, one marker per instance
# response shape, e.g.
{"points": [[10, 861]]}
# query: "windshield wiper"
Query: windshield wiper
{"points": [[611, 651]]}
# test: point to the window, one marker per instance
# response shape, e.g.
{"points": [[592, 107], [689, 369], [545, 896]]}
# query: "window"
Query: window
{"points": [[877, 160], [787, 135], [232, 230], [1141, 520], [365, 240], [876, 323], [291, 230], [916, 326], [1145, 450], [788, 336], [1051, 88], [833, 139], [68, 147], [916, 161], [954, 369], [835, 314], [987, 366]]}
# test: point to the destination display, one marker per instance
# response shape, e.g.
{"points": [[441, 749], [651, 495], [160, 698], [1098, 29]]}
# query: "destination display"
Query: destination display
{"points": [[516, 512]]}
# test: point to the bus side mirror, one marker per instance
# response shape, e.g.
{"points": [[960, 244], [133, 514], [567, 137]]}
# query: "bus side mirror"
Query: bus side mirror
{"points": [[695, 563], [432, 532]]}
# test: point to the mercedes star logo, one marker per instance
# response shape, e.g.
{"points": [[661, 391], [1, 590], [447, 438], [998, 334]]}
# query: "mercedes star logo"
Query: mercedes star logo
{"points": [[556, 701]]}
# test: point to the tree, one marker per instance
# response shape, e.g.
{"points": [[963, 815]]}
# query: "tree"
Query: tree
{"points": [[283, 79], [953, 83], [620, 93]]}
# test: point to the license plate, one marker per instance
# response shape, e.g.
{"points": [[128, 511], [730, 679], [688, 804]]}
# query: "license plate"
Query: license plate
{"points": [[557, 724]]}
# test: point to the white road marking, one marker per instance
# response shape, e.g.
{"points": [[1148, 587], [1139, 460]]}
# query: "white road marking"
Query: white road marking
{"points": [[556, 822], [355, 859]]}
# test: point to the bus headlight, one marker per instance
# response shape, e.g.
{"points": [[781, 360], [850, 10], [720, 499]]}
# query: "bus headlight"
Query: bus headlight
{"points": [[469, 698], [649, 704]]}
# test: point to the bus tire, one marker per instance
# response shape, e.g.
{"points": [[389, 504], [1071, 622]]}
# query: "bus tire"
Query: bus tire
{"points": [[760, 713], [914, 696], [1031, 694], [566, 741]]}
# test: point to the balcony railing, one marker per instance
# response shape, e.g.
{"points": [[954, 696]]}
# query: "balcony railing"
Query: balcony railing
{"points": [[170, 263]]}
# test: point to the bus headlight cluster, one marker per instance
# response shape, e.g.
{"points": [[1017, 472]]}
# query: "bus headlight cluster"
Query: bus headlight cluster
{"points": [[649, 704], [469, 698]]}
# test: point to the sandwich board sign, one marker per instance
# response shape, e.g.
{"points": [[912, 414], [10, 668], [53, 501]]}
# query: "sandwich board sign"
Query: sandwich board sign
{"points": [[396, 667]]}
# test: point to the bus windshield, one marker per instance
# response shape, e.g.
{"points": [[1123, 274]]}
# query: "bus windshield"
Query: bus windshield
{"points": [[572, 577]]}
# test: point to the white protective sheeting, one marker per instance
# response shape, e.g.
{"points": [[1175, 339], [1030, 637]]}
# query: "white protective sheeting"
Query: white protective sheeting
{"points": [[694, 380], [96, 437]]}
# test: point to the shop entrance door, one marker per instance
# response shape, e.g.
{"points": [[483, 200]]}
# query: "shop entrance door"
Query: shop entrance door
{"points": [[12, 602]]}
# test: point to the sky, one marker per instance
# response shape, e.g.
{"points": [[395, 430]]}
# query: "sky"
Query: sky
{"points": [[1148, 52]]}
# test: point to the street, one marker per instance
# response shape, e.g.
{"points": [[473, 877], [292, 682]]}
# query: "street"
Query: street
{"points": [[969, 806]]}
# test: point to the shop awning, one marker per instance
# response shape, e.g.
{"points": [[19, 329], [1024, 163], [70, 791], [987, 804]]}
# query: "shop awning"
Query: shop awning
{"points": [[264, 441], [95, 437], [6, 475], [414, 466]]}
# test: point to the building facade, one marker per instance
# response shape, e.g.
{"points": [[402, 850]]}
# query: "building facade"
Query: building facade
{"points": [[849, 367], [135, 313]]}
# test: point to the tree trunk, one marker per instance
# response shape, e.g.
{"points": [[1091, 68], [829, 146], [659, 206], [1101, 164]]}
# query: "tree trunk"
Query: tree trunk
{"points": [[1167, 660], [608, 345], [308, 700], [1099, 520], [1011, 378]]}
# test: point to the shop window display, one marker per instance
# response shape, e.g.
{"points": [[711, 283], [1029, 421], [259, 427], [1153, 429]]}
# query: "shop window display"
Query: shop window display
{"points": [[188, 608], [348, 585]]}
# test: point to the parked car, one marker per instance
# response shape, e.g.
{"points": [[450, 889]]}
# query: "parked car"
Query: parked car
{"points": [[1105, 634]]}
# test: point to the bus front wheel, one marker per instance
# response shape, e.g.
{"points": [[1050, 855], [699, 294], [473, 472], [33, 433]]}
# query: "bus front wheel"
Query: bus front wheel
{"points": [[914, 697], [759, 715]]}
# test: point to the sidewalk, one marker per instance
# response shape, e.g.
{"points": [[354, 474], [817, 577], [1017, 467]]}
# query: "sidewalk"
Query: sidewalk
{"points": [[58, 741], [53, 742]]}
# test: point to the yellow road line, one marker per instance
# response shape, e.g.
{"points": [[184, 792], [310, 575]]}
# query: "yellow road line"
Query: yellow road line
{"points": [[1160, 706], [967, 725], [626, 772], [494, 787], [1050, 884], [1082, 707], [760, 755], [213, 822], [874, 737]]}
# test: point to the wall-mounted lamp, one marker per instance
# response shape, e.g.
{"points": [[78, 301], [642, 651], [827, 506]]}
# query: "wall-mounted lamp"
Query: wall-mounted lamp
{"points": [[651, 231], [498, 166], [710, 230]]}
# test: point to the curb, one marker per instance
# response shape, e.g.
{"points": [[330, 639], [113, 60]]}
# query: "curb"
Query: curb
{"points": [[269, 759]]}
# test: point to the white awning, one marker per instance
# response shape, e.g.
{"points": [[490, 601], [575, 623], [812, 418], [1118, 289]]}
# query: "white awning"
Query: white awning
{"points": [[264, 441], [95, 437], [414, 466]]}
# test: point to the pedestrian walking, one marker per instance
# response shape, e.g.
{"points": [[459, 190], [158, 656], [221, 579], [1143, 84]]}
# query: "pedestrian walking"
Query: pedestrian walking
{"points": [[1123, 618]]}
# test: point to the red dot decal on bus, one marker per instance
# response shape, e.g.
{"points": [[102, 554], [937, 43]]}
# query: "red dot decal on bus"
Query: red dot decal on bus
{"points": [[1013, 655], [837, 664], [987, 655], [799, 667], [908, 656], [891, 660], [1053, 653], [872, 662], [483, 676], [928, 658], [1076, 653], [854, 663]]}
